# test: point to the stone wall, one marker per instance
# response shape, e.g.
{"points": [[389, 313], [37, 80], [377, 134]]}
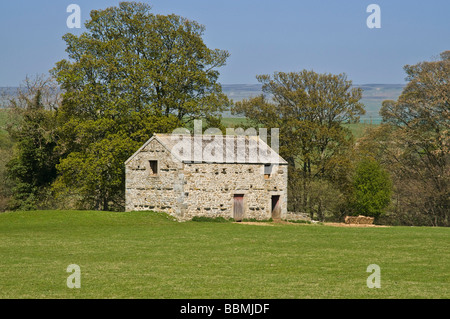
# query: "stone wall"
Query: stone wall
{"points": [[210, 189], [297, 216], [161, 192]]}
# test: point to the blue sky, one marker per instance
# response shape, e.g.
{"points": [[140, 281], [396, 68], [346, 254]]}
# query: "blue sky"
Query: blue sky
{"points": [[262, 36]]}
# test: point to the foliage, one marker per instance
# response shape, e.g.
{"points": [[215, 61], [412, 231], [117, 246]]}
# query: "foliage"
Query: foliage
{"points": [[6, 154], [372, 188], [413, 144], [131, 60], [97, 173], [32, 166], [131, 74], [310, 110]]}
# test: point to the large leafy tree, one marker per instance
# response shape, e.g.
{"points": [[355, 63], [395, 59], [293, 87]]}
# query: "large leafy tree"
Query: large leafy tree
{"points": [[309, 108], [130, 60], [414, 143], [131, 74]]}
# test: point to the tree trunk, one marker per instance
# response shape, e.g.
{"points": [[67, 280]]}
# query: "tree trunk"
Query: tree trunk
{"points": [[105, 203]]}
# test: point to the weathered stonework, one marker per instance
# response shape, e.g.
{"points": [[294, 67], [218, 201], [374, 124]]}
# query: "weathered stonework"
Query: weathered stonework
{"points": [[187, 189], [297, 216]]}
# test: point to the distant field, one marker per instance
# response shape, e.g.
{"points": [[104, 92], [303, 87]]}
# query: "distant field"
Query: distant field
{"points": [[148, 255], [357, 129], [234, 121]]}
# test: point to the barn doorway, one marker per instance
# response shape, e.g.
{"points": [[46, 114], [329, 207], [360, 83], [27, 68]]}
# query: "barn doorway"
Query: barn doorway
{"points": [[276, 209], [238, 207]]}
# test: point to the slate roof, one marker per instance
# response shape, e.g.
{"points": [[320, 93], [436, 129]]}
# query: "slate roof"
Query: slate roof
{"points": [[216, 149]]}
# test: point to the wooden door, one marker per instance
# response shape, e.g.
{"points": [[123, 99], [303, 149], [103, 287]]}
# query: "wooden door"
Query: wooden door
{"points": [[276, 209], [238, 207]]}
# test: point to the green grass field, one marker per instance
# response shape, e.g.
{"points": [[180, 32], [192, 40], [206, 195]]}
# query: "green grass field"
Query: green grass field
{"points": [[148, 255]]}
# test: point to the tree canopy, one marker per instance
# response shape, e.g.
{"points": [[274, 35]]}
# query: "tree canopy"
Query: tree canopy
{"points": [[32, 127], [131, 60], [131, 74], [309, 108], [413, 143]]}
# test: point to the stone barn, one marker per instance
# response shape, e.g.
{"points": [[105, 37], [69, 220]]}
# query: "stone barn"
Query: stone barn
{"points": [[185, 176]]}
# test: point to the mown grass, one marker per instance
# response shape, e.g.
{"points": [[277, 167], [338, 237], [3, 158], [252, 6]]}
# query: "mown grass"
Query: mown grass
{"points": [[149, 255]]}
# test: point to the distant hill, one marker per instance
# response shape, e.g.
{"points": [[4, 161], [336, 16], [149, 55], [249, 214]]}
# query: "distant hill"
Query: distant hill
{"points": [[373, 96]]}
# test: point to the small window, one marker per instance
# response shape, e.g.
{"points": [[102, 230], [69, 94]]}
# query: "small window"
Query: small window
{"points": [[267, 171], [153, 167]]}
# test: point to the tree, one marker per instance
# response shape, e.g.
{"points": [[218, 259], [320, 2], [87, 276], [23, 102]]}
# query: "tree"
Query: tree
{"points": [[131, 74], [309, 108], [413, 144], [131, 60], [372, 188], [32, 166], [96, 174]]}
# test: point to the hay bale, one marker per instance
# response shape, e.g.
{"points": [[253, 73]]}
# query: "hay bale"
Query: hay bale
{"points": [[361, 220]]}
